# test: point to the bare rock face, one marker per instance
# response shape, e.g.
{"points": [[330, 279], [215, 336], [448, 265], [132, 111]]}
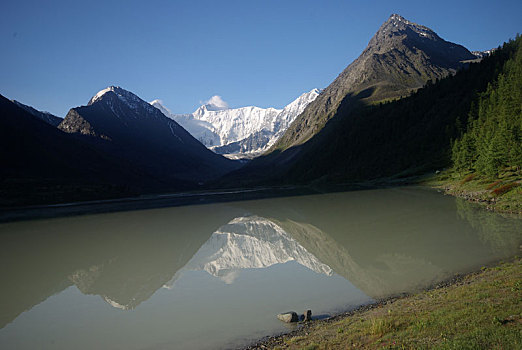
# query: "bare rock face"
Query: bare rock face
{"points": [[288, 317], [75, 123], [307, 315], [402, 56]]}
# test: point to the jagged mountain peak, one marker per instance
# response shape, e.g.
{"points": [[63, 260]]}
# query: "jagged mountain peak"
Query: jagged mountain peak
{"points": [[112, 96], [399, 27], [397, 21], [124, 95], [401, 57]]}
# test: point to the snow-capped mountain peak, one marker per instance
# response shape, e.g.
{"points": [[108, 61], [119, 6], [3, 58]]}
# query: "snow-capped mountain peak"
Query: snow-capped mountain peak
{"points": [[215, 103], [245, 131], [298, 105], [482, 54], [131, 100], [158, 102], [203, 131], [125, 96], [99, 94]]}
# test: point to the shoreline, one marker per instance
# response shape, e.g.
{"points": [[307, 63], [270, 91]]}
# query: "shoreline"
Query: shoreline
{"points": [[164, 200], [502, 195], [46, 211], [211, 196], [305, 330], [276, 341], [476, 197]]}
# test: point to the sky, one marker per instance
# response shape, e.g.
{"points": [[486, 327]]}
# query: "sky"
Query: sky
{"points": [[57, 54]]}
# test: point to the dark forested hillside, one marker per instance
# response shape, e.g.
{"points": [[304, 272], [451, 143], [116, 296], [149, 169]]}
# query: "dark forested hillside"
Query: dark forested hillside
{"points": [[493, 137]]}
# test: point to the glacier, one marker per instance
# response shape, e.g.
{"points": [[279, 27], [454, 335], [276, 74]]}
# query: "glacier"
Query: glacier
{"points": [[237, 133]]}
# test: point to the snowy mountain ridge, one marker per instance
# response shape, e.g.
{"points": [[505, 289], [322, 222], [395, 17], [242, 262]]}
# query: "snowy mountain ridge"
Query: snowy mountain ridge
{"points": [[250, 242], [238, 132]]}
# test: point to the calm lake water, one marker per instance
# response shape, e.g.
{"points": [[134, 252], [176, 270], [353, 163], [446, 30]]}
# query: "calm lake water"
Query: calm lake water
{"points": [[215, 276]]}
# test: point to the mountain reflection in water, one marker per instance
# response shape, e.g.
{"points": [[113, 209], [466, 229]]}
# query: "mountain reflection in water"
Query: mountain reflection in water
{"points": [[249, 243], [326, 252]]}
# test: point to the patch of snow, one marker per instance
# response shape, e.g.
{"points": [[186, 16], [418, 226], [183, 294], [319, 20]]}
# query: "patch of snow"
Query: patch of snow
{"points": [[100, 94], [173, 132]]}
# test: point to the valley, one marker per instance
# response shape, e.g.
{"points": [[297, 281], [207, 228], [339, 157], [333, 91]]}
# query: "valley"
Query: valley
{"points": [[127, 224]]}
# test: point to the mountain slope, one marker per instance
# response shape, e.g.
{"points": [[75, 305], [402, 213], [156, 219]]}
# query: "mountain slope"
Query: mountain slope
{"points": [[408, 137], [45, 116], [402, 56], [123, 125], [203, 131], [243, 132], [367, 141], [40, 163]]}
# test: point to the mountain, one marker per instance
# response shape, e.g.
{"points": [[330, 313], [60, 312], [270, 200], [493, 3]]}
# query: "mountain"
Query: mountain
{"points": [[340, 232], [124, 258], [45, 116], [40, 163], [482, 54], [408, 137], [335, 139], [248, 147], [121, 124], [400, 58], [249, 242], [239, 132], [201, 130], [236, 124]]}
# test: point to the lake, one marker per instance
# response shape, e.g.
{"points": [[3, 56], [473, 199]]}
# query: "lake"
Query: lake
{"points": [[215, 276]]}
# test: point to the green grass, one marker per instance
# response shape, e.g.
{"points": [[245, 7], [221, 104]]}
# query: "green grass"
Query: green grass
{"points": [[503, 193], [483, 311]]}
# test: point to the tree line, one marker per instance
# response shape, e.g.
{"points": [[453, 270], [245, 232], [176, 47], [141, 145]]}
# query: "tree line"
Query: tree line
{"points": [[492, 140]]}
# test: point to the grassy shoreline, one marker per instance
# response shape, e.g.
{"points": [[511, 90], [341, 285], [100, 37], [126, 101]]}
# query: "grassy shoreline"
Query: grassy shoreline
{"points": [[481, 310], [502, 194]]}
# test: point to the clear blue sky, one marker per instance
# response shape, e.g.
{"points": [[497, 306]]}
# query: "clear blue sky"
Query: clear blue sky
{"points": [[57, 54]]}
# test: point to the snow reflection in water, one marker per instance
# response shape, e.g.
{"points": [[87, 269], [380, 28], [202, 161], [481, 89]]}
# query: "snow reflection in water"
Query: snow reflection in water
{"points": [[226, 269]]}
